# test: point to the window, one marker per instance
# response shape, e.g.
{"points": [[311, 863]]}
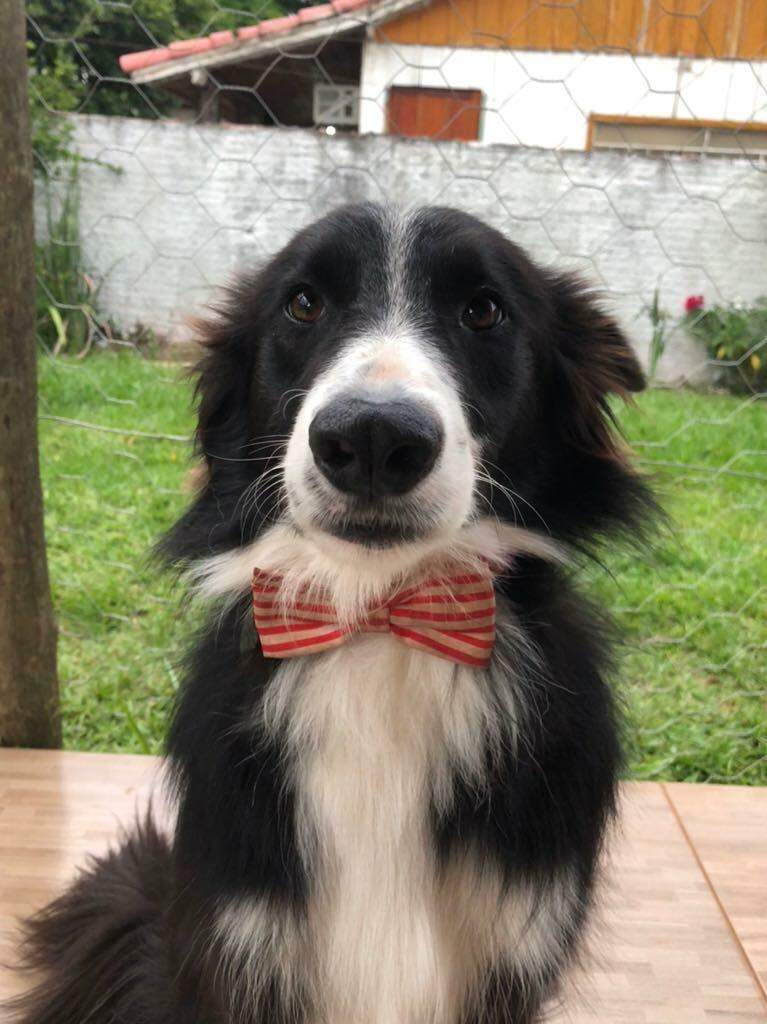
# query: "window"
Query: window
{"points": [[676, 135], [434, 113], [336, 105]]}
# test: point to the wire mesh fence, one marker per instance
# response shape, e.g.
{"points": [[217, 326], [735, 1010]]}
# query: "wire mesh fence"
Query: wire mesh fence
{"points": [[626, 141]]}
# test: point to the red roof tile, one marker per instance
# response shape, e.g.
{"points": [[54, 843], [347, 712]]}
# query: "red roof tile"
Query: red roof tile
{"points": [[183, 47], [307, 14], [249, 32], [273, 26], [221, 38], [131, 62], [342, 6]]}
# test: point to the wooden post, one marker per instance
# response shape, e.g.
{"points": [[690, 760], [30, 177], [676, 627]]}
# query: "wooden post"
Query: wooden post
{"points": [[29, 713]]}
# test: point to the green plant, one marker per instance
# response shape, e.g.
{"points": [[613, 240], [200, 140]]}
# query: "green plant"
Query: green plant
{"points": [[66, 299], [735, 337], [75, 46], [659, 319], [145, 341], [51, 96]]}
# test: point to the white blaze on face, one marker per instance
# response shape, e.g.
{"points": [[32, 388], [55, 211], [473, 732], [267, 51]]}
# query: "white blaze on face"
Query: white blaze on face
{"points": [[390, 360], [380, 367]]}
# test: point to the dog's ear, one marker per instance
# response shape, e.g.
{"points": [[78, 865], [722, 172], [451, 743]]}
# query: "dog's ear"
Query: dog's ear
{"points": [[594, 361], [221, 392], [594, 488], [223, 374]]}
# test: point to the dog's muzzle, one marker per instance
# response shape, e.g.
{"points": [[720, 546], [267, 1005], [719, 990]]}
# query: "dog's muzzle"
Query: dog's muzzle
{"points": [[373, 449]]}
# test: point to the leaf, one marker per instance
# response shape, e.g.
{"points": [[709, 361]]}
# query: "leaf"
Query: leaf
{"points": [[61, 329], [134, 727]]}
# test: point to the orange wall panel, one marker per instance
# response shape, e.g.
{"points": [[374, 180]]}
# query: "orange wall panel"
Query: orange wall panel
{"points": [[719, 28], [434, 113], [752, 37]]}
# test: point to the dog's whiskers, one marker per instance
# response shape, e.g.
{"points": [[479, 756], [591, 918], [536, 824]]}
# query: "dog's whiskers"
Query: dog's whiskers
{"points": [[509, 492]]}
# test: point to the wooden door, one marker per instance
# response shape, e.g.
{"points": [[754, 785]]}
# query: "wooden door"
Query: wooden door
{"points": [[434, 113]]}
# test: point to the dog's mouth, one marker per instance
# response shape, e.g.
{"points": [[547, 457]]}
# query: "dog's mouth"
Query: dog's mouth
{"points": [[378, 533], [370, 527], [371, 523]]}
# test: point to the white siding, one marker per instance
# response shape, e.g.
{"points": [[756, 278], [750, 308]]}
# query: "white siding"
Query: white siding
{"points": [[533, 98]]}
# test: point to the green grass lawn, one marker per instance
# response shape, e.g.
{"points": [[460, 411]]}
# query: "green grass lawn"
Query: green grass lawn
{"points": [[694, 670]]}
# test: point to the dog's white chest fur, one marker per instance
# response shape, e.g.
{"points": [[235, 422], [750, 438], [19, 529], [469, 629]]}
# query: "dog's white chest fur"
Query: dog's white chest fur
{"points": [[373, 715], [376, 733]]}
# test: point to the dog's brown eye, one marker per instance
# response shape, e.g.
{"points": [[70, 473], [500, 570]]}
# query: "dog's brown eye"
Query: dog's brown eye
{"points": [[305, 306], [482, 313]]}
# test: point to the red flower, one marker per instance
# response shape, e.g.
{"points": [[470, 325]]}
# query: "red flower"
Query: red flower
{"points": [[693, 302]]}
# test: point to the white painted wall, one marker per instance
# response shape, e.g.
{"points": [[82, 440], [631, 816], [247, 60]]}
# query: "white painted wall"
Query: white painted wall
{"points": [[533, 98]]}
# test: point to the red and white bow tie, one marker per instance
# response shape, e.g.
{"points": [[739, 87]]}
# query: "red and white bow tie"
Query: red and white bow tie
{"points": [[452, 618]]}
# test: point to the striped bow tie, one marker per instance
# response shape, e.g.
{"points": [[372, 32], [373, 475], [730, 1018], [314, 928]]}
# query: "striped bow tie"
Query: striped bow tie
{"points": [[452, 618]]}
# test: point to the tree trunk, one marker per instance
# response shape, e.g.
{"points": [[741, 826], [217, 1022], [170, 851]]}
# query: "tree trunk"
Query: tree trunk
{"points": [[28, 682]]}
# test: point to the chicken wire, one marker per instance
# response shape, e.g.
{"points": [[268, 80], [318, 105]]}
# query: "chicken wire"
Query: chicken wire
{"points": [[115, 428]]}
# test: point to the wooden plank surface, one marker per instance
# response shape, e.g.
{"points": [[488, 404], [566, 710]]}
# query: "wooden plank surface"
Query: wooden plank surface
{"points": [[56, 810], [727, 828], [664, 953], [676, 920]]}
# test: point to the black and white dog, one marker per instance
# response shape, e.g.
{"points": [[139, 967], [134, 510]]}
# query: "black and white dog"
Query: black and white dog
{"points": [[374, 832]]}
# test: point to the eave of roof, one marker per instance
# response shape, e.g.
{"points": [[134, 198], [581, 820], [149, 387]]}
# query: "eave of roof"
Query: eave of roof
{"points": [[309, 25]]}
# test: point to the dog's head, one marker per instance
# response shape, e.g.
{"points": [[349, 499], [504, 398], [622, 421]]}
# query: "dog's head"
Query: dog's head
{"points": [[389, 380]]}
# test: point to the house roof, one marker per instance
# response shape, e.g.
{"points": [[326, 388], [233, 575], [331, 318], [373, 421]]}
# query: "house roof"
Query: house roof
{"points": [[308, 25]]}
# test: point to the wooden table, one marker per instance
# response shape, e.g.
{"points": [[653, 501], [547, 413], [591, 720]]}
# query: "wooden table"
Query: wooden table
{"points": [[683, 932]]}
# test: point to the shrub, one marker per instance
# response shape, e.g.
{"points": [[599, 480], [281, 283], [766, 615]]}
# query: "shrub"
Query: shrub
{"points": [[66, 299], [659, 319], [735, 337]]}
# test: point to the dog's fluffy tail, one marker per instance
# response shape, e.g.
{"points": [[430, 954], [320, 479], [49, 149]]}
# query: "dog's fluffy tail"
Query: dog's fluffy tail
{"points": [[96, 952]]}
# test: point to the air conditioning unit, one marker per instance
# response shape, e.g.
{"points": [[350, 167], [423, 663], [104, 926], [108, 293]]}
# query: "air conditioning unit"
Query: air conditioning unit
{"points": [[336, 105]]}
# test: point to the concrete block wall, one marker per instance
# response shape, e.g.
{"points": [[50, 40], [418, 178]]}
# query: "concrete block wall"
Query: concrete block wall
{"points": [[191, 205]]}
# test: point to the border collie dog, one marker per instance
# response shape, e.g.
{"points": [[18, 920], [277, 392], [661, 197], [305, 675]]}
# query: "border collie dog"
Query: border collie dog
{"points": [[394, 754]]}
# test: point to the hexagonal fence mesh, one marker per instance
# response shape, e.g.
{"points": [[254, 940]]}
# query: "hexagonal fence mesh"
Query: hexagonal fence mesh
{"points": [[179, 143]]}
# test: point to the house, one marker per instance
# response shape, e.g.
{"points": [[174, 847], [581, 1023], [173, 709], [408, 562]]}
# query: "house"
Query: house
{"points": [[638, 74]]}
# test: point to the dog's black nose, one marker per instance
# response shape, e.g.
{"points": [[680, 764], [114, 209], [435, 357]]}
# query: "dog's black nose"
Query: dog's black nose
{"points": [[373, 449]]}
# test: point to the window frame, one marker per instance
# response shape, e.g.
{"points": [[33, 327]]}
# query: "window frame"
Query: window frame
{"points": [[706, 125]]}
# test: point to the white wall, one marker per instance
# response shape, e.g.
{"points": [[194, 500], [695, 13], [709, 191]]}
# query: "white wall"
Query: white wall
{"points": [[193, 204], [532, 98]]}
